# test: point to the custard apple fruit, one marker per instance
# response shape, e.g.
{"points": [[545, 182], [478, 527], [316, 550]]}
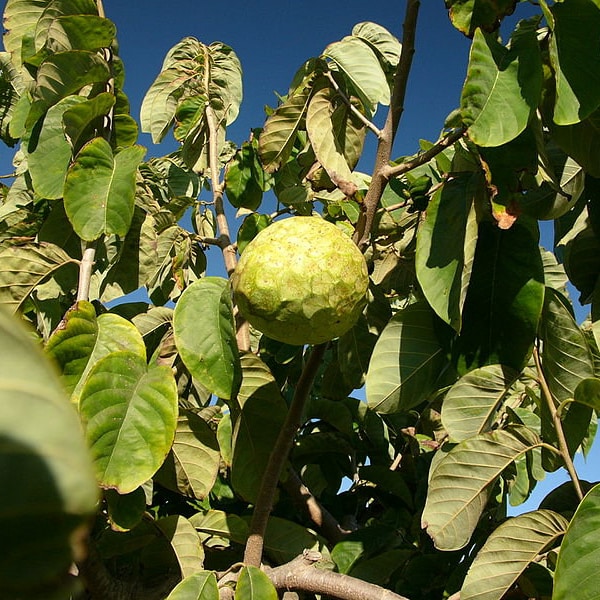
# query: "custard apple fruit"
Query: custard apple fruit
{"points": [[301, 281]]}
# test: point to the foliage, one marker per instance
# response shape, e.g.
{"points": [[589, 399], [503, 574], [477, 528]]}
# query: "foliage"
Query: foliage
{"points": [[181, 450]]}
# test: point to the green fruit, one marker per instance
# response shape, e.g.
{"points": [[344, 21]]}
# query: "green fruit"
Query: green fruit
{"points": [[301, 281]]}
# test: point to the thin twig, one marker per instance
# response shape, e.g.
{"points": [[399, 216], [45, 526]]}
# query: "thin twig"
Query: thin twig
{"points": [[351, 106], [388, 133], [390, 171], [278, 457], [560, 434]]}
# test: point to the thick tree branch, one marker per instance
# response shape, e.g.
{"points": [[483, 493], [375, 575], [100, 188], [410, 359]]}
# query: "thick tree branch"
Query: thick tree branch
{"points": [[560, 434], [388, 133], [278, 458], [319, 515], [86, 268], [302, 574]]}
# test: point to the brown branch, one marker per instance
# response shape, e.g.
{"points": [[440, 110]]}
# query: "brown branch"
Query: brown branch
{"points": [[301, 574], [560, 434], [278, 457], [318, 514], [390, 171], [388, 133]]}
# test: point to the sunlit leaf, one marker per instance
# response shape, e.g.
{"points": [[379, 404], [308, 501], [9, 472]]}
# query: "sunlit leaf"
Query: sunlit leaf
{"points": [[472, 404], [226, 79], [576, 568], [76, 32], [198, 586], [20, 19], [219, 523], [192, 466], [45, 474], [468, 15], [24, 267], [130, 414], [205, 335], [185, 542], [503, 86], [160, 102], [508, 551], [253, 584], [78, 117], [381, 40], [462, 482], [406, 361], [446, 249], [100, 189]]}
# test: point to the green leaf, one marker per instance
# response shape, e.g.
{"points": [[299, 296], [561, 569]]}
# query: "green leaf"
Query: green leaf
{"points": [[504, 300], [45, 470], [159, 104], [253, 584], [205, 335], [24, 267], [20, 20], [251, 226], [446, 248], [193, 464], [257, 427], [185, 542], [379, 39], [406, 361], [587, 392], [125, 511], [241, 186], [77, 32], [508, 551], [360, 65], [219, 523], [66, 73], [281, 129], [49, 154], [327, 142], [463, 480], [284, 540], [575, 62], [81, 340], [354, 351], [226, 79], [100, 189], [198, 586], [577, 564], [473, 403], [581, 141], [79, 117], [130, 415], [503, 86], [468, 15]]}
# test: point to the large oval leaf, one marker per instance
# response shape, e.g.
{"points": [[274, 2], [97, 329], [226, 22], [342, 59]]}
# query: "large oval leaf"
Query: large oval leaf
{"points": [[508, 551], [198, 586], [100, 189], [462, 482], [46, 474], [579, 556], [205, 335], [130, 416], [472, 403], [184, 541], [81, 340], [406, 361]]}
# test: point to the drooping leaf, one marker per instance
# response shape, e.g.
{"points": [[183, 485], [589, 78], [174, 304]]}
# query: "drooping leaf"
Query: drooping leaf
{"points": [[192, 466], [576, 63], [130, 414], [446, 249], [508, 551], [359, 63], [381, 40], [462, 482], [125, 511], [76, 32], [503, 86], [406, 361], [20, 19], [241, 185], [504, 300], [581, 141], [250, 227], [576, 567], [225, 88], [263, 412], [472, 404], [253, 584], [185, 542], [354, 351], [81, 340], [468, 15], [24, 267], [205, 335], [588, 392], [100, 189], [45, 470], [79, 117], [49, 154], [197, 586], [160, 102]]}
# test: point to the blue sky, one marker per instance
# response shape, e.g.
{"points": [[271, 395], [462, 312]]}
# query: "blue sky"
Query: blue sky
{"points": [[272, 39]]}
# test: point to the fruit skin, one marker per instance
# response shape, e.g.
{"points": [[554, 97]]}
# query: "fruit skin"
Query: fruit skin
{"points": [[301, 281]]}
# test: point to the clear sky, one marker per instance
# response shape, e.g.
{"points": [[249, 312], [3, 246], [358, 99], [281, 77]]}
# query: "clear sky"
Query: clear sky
{"points": [[272, 39]]}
